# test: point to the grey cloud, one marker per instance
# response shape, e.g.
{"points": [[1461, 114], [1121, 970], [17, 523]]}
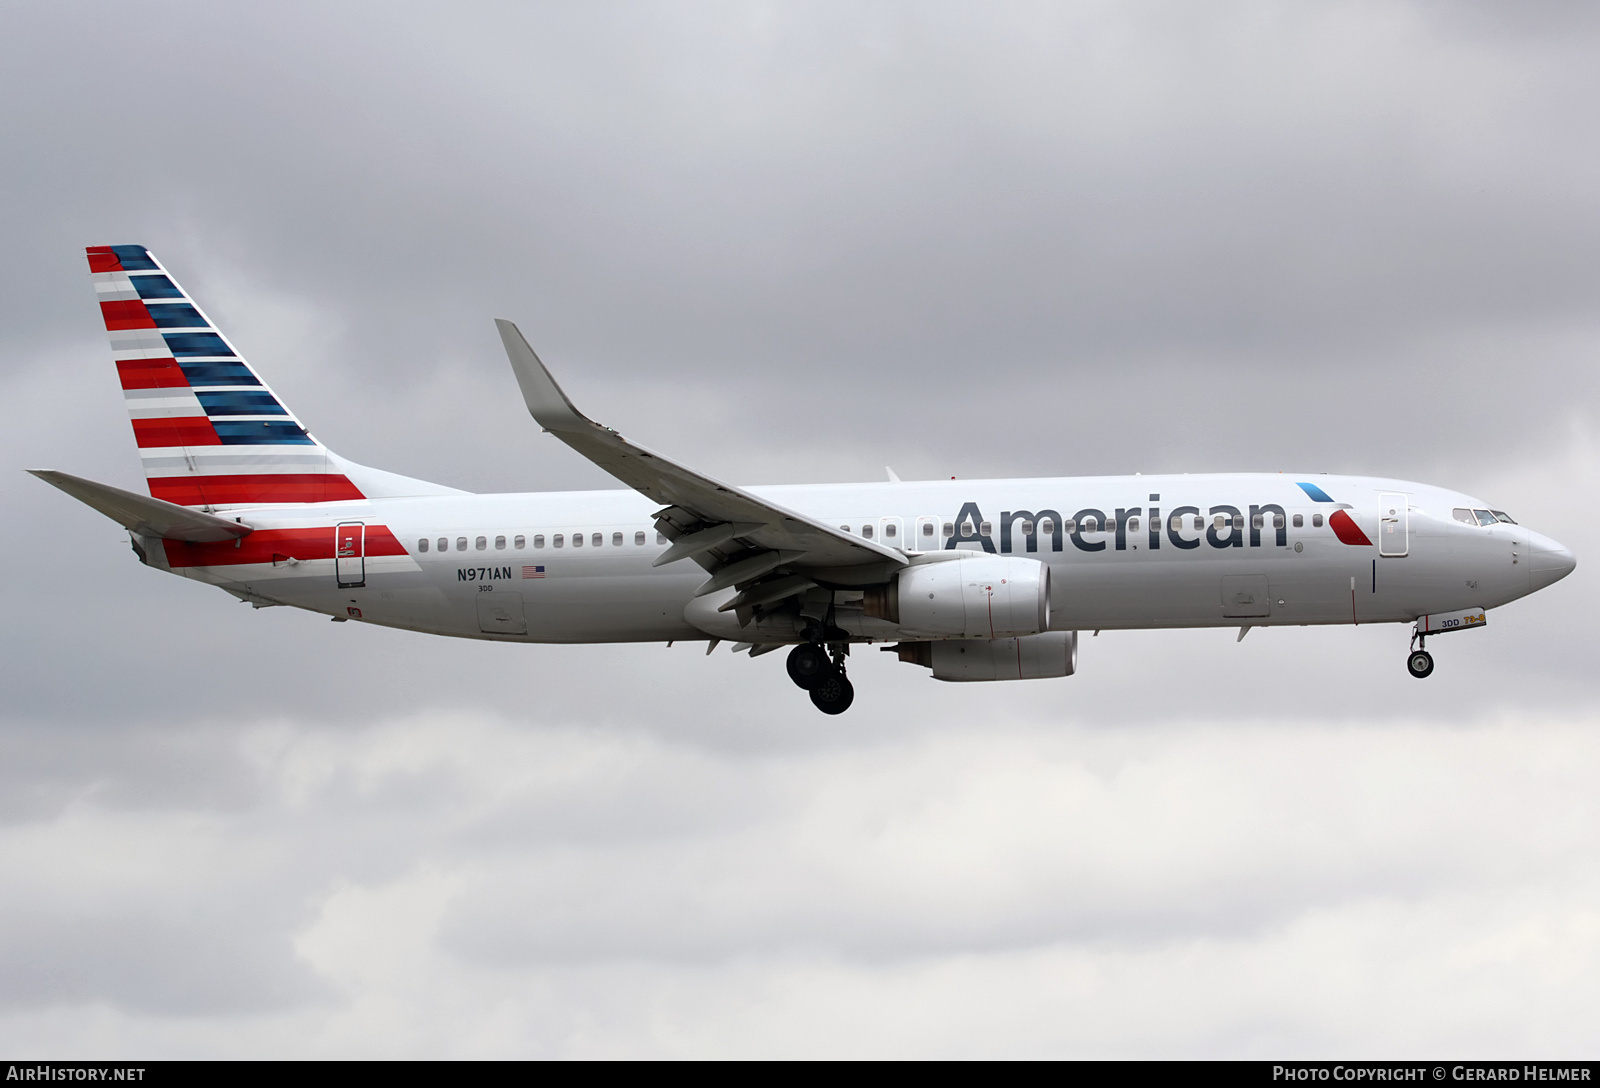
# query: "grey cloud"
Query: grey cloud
{"points": [[1277, 870], [163, 965]]}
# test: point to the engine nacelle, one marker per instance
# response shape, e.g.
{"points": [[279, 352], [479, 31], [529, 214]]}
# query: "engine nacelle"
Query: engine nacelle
{"points": [[977, 597], [1033, 657]]}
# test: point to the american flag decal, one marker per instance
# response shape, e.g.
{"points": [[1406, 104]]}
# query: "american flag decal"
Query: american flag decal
{"points": [[533, 572]]}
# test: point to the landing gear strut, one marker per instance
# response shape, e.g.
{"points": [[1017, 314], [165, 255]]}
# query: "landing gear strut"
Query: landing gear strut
{"points": [[1419, 662]]}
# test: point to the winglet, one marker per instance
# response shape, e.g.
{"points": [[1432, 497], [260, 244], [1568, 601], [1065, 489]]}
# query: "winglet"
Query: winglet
{"points": [[546, 402]]}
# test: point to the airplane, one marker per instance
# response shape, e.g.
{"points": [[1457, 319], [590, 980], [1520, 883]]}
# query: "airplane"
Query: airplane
{"points": [[974, 580]]}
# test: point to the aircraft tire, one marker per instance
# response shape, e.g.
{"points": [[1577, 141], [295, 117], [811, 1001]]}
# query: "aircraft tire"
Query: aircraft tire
{"points": [[808, 664], [1420, 663], [833, 693]]}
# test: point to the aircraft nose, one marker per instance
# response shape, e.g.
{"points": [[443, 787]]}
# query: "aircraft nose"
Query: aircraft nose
{"points": [[1549, 562]]}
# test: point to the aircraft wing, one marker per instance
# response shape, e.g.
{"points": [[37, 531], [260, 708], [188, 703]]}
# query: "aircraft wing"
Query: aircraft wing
{"points": [[736, 535], [143, 514]]}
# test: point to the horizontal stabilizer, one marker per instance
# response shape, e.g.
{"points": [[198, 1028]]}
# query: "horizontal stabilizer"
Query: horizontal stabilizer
{"points": [[144, 515]]}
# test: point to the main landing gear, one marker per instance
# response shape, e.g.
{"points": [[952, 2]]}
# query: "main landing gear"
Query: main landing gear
{"points": [[811, 669]]}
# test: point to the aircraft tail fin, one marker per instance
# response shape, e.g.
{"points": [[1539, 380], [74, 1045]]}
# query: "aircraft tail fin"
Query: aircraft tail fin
{"points": [[210, 432]]}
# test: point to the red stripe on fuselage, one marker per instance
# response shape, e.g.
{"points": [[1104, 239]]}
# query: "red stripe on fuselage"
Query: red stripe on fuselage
{"points": [[129, 314], [1345, 528], [162, 372], [175, 431], [267, 487], [102, 259], [276, 545]]}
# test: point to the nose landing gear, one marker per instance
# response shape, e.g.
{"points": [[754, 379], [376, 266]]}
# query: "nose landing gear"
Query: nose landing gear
{"points": [[810, 669], [1419, 662]]}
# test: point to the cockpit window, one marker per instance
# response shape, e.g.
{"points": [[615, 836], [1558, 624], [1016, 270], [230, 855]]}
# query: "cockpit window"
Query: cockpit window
{"points": [[1485, 518], [1461, 513], [1503, 516]]}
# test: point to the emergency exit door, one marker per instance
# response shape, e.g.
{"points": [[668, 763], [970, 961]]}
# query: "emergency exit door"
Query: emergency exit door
{"points": [[349, 554], [1394, 525]]}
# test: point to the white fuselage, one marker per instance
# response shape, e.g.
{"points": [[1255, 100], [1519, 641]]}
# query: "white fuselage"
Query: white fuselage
{"points": [[1148, 572]]}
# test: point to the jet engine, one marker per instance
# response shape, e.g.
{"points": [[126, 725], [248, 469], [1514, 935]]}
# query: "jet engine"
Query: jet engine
{"points": [[971, 597], [1032, 657]]}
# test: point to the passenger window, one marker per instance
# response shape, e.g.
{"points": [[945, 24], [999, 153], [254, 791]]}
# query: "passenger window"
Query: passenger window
{"points": [[1316, 521], [499, 543], [1220, 521], [1463, 515], [1069, 526], [1258, 521], [888, 530], [1047, 526], [844, 528], [986, 529], [616, 540], [557, 540], [461, 543], [597, 539], [538, 540], [660, 539], [1177, 523], [1299, 521], [1027, 528], [1277, 521], [482, 543], [949, 529], [1133, 525], [1091, 525], [444, 543], [638, 538], [927, 528], [866, 532], [1111, 525], [519, 542], [577, 540], [422, 545], [1199, 523]]}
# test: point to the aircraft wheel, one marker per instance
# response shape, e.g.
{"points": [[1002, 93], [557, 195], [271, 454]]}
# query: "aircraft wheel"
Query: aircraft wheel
{"points": [[833, 693], [808, 663], [1420, 663]]}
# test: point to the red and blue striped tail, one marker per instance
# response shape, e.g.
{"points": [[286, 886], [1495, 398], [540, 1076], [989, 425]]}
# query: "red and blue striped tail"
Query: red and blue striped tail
{"points": [[210, 432]]}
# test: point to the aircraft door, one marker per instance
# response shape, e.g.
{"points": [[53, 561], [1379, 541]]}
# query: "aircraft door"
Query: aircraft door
{"points": [[349, 554], [1394, 525], [501, 613], [1246, 595]]}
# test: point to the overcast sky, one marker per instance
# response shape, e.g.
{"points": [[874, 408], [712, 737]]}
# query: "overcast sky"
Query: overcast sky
{"points": [[793, 243]]}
